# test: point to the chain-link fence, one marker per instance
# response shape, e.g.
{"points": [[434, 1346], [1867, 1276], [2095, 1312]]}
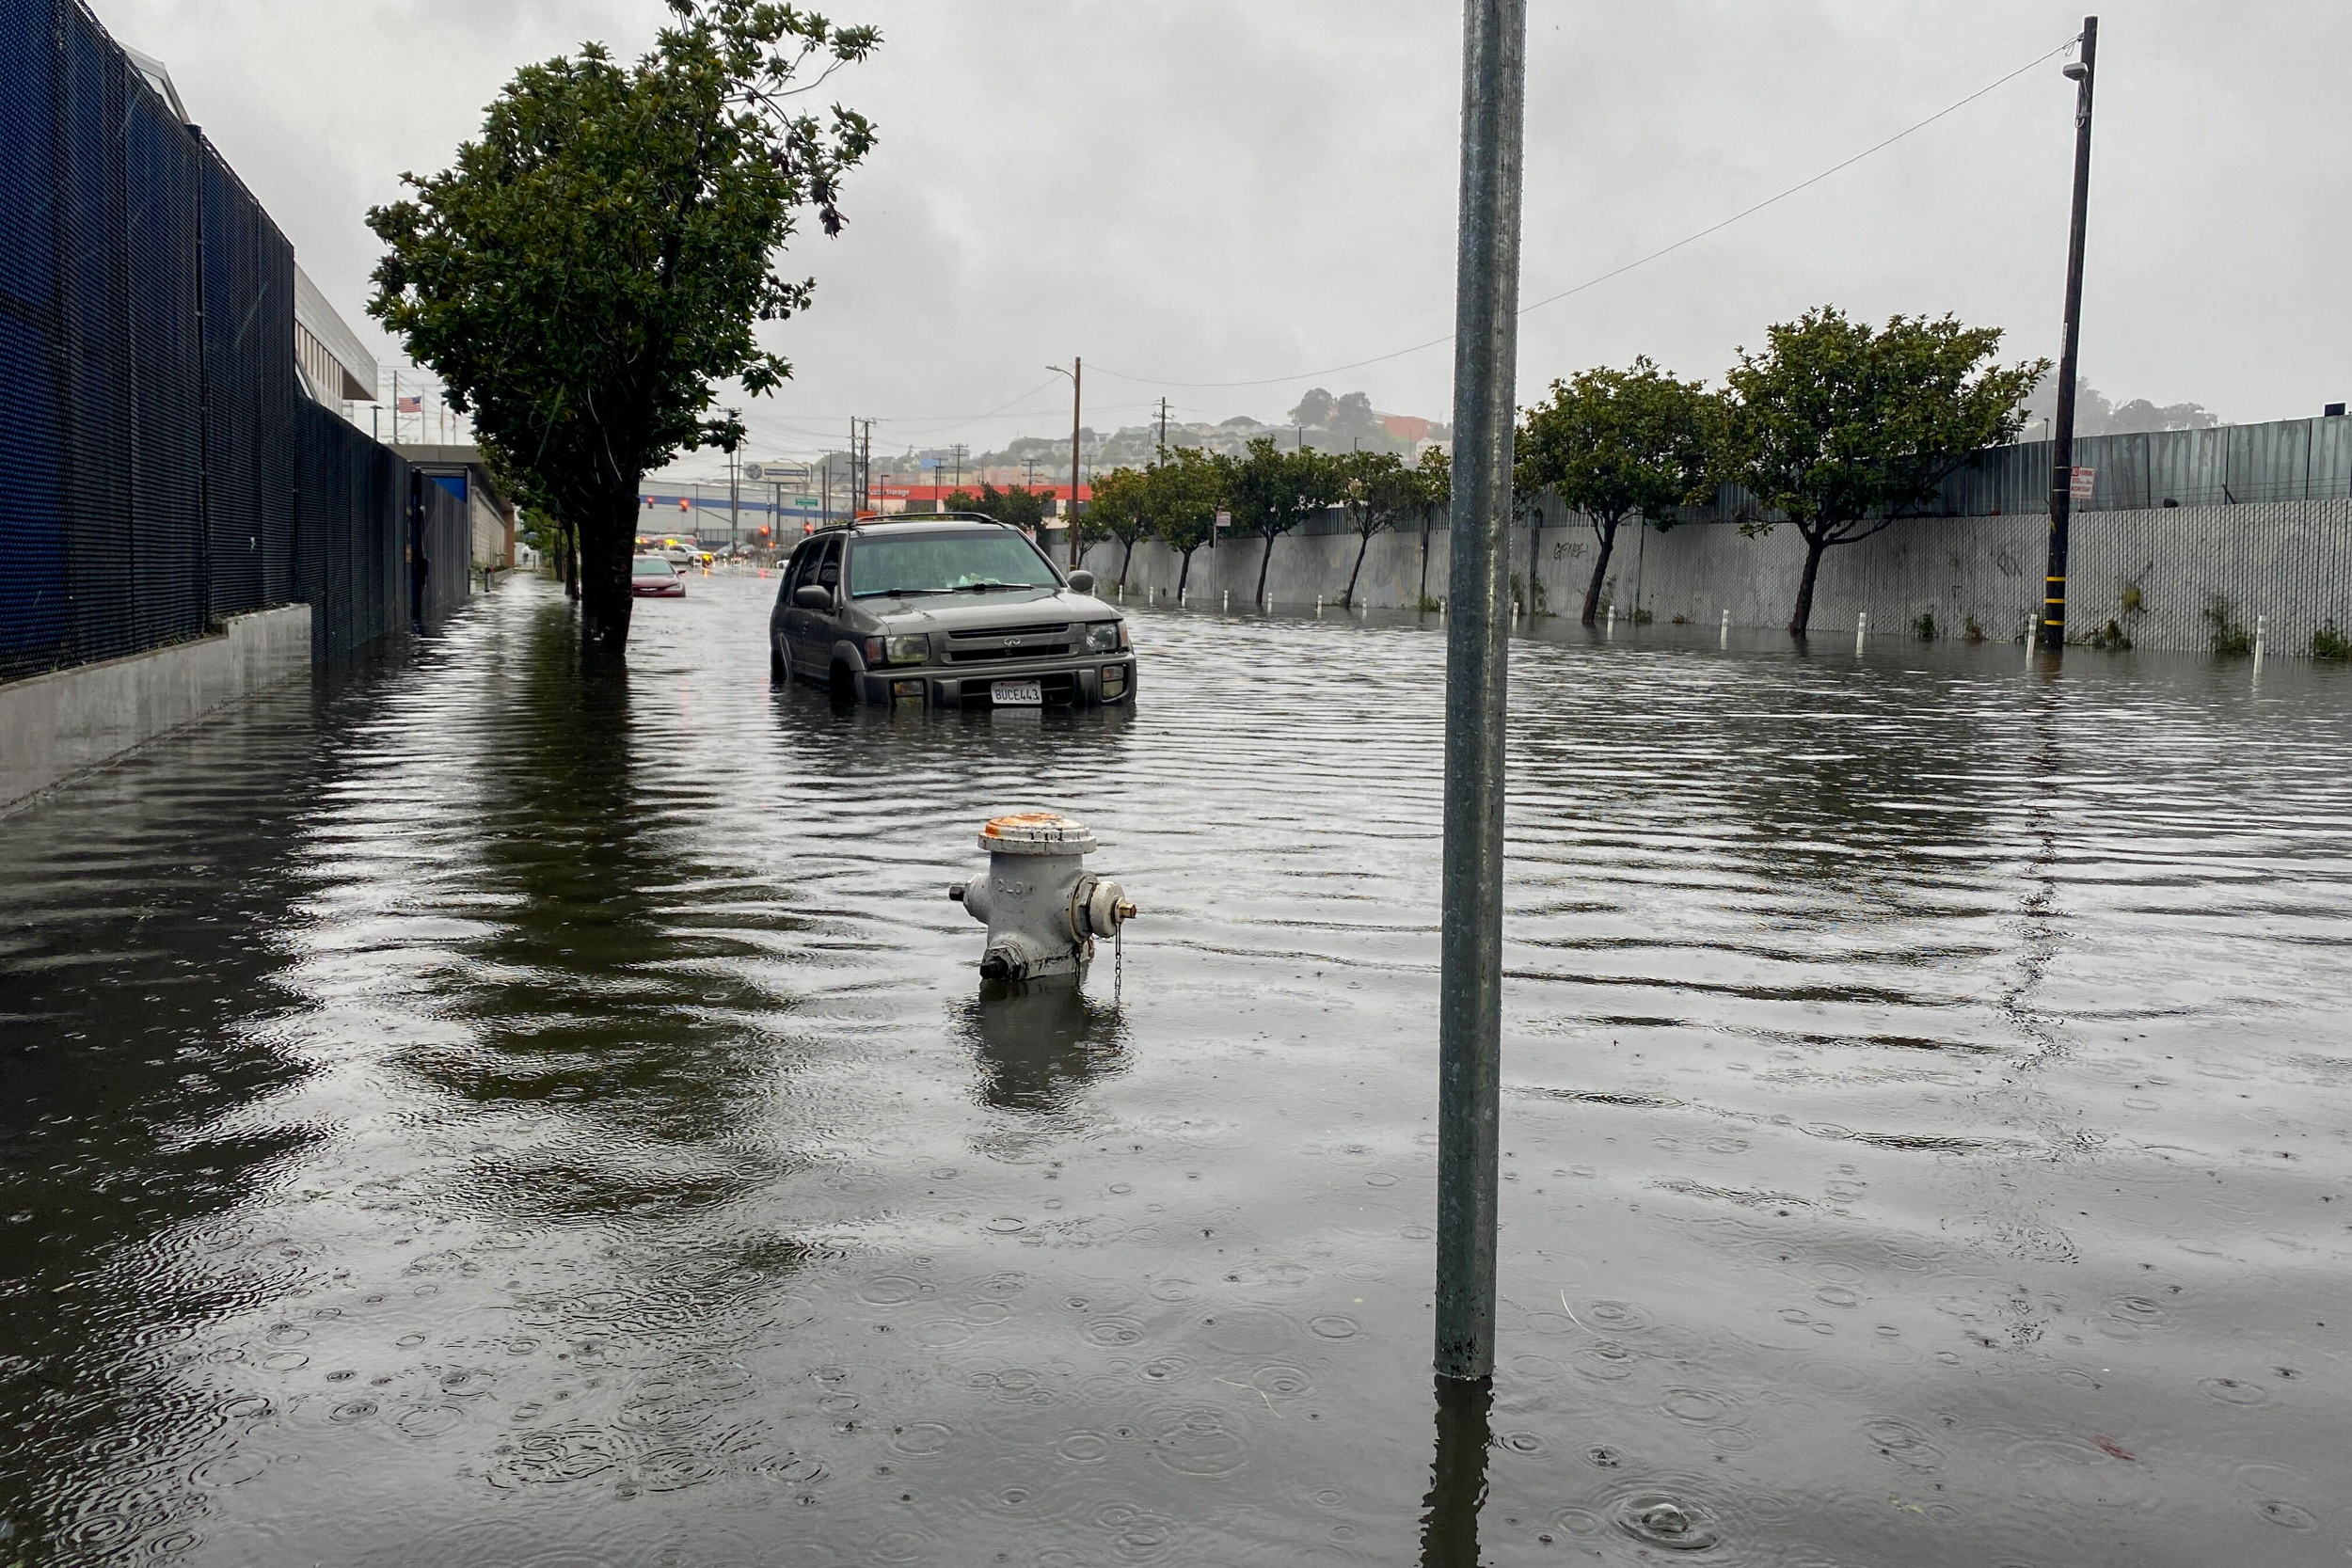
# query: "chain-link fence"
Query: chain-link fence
{"points": [[159, 467]]}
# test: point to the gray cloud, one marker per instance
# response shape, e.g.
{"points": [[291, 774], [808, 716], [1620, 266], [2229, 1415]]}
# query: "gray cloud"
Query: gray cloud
{"points": [[1218, 191]]}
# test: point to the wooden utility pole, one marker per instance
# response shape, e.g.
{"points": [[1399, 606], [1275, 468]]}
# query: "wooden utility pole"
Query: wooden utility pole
{"points": [[2062, 447]]}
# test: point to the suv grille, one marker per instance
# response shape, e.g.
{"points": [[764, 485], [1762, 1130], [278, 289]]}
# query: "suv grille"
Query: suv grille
{"points": [[1020, 650], [1055, 628], [986, 645]]}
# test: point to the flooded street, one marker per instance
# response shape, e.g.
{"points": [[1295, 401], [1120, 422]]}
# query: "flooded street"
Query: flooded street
{"points": [[465, 1115]]}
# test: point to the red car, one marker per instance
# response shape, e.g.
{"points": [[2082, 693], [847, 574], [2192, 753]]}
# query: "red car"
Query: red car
{"points": [[652, 577]]}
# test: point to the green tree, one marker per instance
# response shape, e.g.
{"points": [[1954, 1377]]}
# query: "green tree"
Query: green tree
{"points": [[1378, 492], [1022, 508], [1844, 431], [1273, 491], [1618, 444], [1120, 509], [599, 259], [1432, 476], [1187, 487]]}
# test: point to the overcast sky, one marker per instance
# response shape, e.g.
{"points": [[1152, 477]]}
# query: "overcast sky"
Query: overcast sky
{"points": [[1242, 190]]}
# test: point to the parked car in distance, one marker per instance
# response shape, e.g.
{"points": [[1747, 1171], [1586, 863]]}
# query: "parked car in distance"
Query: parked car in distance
{"points": [[945, 609], [650, 576]]}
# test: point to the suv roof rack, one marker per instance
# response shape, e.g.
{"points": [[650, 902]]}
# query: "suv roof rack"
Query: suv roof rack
{"points": [[927, 517]]}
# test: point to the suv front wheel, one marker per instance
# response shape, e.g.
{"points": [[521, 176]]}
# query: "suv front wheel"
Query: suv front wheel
{"points": [[779, 663]]}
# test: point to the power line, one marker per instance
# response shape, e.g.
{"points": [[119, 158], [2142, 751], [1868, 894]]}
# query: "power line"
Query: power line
{"points": [[1639, 261]]}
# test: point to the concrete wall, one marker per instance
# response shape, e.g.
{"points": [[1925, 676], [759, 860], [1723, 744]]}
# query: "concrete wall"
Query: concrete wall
{"points": [[57, 725], [2290, 561]]}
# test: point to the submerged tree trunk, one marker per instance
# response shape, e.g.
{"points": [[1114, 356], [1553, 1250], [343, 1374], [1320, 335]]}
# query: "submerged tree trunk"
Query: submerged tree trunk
{"points": [[1607, 530], [1264, 561], [1183, 575], [607, 538], [1814, 545], [1126, 561], [1535, 557], [1364, 542]]}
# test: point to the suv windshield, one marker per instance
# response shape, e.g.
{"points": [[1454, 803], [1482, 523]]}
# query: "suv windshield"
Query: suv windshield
{"points": [[974, 562]]}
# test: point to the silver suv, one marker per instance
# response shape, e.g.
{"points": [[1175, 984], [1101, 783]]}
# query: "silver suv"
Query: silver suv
{"points": [[945, 609]]}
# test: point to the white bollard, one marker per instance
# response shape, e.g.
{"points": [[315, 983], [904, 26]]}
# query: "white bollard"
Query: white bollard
{"points": [[1861, 629], [1724, 639], [1611, 629], [2031, 629], [1228, 601], [2261, 636], [1318, 603]]}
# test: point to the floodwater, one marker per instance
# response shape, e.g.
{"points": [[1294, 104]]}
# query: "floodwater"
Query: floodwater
{"points": [[463, 1115]]}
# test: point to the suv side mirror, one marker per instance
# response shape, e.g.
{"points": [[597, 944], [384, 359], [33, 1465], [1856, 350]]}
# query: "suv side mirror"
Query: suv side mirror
{"points": [[1080, 580], [810, 596]]}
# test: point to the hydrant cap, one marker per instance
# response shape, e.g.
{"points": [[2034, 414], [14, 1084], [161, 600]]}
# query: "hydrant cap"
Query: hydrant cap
{"points": [[1036, 832]]}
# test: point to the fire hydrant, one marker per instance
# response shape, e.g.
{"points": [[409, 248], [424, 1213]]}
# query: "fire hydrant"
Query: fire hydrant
{"points": [[1041, 907]]}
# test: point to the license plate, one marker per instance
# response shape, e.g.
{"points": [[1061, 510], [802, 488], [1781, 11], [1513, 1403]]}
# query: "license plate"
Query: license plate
{"points": [[1016, 694]]}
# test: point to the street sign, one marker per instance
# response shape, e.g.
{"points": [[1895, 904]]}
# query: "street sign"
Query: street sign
{"points": [[1224, 519], [2083, 480], [804, 504]]}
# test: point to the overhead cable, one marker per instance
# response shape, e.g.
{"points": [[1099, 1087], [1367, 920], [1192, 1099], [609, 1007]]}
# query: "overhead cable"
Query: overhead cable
{"points": [[1639, 261]]}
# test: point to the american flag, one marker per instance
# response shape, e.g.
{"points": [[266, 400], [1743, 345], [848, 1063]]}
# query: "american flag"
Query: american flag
{"points": [[413, 404]]}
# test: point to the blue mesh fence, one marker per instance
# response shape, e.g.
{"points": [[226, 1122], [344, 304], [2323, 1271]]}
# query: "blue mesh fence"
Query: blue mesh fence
{"points": [[159, 467]]}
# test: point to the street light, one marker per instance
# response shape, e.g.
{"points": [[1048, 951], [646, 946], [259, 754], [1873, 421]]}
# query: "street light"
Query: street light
{"points": [[1076, 374]]}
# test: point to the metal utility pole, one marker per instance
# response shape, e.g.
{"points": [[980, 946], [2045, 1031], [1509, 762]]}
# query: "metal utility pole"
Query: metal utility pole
{"points": [[1078, 372], [1163, 424], [1469, 997], [2083, 69]]}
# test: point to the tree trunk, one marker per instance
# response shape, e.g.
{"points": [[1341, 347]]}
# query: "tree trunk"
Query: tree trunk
{"points": [[1363, 544], [607, 538], [1803, 617], [1264, 561], [1534, 555], [1126, 561], [1607, 532], [1185, 575]]}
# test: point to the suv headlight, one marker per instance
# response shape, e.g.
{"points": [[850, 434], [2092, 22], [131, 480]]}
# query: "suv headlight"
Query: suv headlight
{"points": [[1104, 637], [908, 648]]}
